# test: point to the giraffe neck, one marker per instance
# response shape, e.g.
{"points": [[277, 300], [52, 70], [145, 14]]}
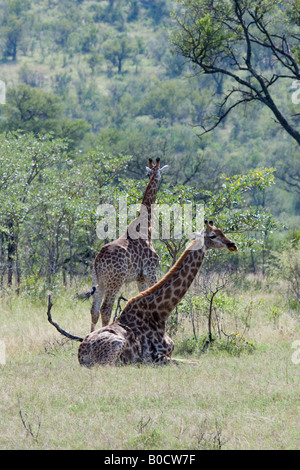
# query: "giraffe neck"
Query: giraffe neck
{"points": [[161, 299], [151, 191], [175, 288], [141, 227], [147, 204]]}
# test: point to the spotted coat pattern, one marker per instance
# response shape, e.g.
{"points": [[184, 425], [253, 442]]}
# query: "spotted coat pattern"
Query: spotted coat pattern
{"points": [[126, 259], [139, 334]]}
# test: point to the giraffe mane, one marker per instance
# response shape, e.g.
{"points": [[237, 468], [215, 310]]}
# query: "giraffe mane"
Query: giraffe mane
{"points": [[149, 183], [166, 277]]}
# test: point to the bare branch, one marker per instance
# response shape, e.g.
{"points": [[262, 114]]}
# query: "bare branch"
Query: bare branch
{"points": [[217, 53], [61, 331], [225, 113]]}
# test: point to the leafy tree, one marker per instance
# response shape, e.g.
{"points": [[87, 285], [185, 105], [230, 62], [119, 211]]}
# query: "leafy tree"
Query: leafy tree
{"points": [[48, 206], [233, 39], [165, 100], [118, 49], [33, 110], [286, 266], [111, 13], [23, 159], [12, 26], [88, 39], [228, 207], [30, 109], [157, 9], [133, 11], [62, 28]]}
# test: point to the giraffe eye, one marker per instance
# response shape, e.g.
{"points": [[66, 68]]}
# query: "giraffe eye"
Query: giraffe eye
{"points": [[213, 236]]}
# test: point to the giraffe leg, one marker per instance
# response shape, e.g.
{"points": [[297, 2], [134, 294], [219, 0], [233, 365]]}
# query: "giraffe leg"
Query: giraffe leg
{"points": [[163, 350], [105, 349], [162, 360], [107, 306], [95, 309]]}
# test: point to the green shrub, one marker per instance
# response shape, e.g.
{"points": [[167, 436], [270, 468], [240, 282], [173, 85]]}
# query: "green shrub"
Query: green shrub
{"points": [[234, 344]]}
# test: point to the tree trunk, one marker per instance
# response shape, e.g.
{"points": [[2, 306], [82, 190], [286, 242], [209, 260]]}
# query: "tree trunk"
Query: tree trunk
{"points": [[14, 52], [12, 248], [18, 272], [210, 338], [2, 258], [70, 255], [119, 64], [281, 119]]}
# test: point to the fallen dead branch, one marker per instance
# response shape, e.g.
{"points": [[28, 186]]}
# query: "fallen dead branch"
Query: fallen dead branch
{"points": [[61, 331]]}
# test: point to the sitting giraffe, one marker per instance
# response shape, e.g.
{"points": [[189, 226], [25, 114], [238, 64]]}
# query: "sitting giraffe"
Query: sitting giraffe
{"points": [[139, 333], [128, 258]]}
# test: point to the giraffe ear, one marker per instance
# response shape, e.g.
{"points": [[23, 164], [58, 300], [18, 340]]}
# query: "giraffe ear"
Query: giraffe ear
{"points": [[148, 171], [164, 169]]}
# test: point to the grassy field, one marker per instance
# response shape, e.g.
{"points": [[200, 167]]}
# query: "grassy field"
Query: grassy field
{"points": [[48, 401]]}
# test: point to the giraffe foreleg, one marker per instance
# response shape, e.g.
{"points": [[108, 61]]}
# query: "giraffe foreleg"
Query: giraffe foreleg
{"points": [[162, 360], [107, 305], [95, 309], [162, 350]]}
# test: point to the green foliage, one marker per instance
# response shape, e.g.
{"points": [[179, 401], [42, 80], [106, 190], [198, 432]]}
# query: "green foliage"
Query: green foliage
{"points": [[47, 227], [64, 82], [229, 208], [231, 38], [32, 110], [12, 22], [118, 49], [286, 266], [165, 100], [221, 310], [234, 345]]}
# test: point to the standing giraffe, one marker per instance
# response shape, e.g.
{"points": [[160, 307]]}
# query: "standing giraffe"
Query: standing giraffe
{"points": [[139, 333], [128, 258]]}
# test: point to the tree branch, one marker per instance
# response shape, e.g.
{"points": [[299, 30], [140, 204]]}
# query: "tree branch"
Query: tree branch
{"points": [[220, 38], [61, 331]]}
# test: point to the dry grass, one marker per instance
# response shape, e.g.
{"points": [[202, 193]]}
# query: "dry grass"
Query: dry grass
{"points": [[246, 402]]}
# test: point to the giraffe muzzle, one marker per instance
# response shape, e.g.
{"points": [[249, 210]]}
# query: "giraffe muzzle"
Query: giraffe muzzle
{"points": [[233, 247]]}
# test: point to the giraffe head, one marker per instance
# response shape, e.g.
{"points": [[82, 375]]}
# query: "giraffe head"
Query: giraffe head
{"points": [[214, 238], [151, 169]]}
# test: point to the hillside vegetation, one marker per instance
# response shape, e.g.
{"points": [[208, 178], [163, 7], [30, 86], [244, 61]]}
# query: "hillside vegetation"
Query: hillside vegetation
{"points": [[105, 76], [93, 90]]}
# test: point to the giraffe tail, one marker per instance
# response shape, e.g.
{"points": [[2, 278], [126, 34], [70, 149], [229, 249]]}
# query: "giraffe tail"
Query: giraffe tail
{"points": [[86, 295]]}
